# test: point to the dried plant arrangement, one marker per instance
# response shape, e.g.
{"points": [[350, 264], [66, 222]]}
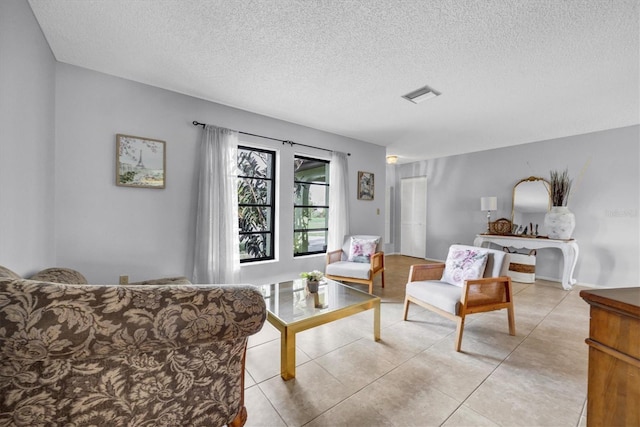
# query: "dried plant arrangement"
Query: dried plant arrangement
{"points": [[560, 184]]}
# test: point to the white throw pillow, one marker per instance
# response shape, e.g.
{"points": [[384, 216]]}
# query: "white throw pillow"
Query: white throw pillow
{"points": [[464, 264], [361, 250]]}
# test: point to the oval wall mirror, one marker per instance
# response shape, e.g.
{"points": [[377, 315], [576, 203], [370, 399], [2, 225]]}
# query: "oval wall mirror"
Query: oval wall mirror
{"points": [[531, 200]]}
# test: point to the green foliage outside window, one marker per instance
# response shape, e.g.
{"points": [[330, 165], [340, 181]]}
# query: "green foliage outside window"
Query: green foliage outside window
{"points": [[256, 203], [311, 206]]}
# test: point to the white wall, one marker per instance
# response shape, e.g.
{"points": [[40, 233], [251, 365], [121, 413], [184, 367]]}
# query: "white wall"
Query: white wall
{"points": [[73, 215], [605, 199], [105, 231], [27, 70]]}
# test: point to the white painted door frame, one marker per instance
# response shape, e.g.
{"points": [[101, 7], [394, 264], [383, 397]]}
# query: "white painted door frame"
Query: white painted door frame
{"points": [[413, 216]]}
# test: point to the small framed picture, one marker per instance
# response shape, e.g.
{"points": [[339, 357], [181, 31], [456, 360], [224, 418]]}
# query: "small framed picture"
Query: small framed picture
{"points": [[365, 185], [140, 162]]}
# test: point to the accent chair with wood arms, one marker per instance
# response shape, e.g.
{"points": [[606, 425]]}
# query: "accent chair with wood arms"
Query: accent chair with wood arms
{"points": [[359, 261], [445, 289]]}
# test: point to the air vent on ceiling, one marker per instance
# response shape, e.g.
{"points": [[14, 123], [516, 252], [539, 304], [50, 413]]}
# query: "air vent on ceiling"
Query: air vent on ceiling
{"points": [[422, 94]]}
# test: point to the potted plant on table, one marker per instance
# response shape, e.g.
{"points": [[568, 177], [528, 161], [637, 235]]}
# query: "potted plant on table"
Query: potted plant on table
{"points": [[313, 279], [560, 221]]}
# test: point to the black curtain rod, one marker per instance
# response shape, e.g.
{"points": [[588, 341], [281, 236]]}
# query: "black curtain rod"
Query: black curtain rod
{"points": [[291, 143]]}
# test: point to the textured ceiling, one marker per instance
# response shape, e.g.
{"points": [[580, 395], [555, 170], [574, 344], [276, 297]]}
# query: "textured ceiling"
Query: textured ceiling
{"points": [[510, 72]]}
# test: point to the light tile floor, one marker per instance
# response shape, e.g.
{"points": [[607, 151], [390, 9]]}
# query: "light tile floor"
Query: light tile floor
{"points": [[413, 377]]}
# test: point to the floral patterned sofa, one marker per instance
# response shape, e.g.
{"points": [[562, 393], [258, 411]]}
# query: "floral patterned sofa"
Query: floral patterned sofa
{"points": [[126, 355]]}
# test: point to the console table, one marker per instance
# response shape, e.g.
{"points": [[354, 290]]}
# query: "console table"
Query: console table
{"points": [[569, 250]]}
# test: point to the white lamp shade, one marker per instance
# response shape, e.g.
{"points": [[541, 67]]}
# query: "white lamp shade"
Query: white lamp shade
{"points": [[489, 203]]}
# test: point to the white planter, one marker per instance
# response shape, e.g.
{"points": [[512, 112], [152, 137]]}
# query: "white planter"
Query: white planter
{"points": [[559, 222], [522, 267]]}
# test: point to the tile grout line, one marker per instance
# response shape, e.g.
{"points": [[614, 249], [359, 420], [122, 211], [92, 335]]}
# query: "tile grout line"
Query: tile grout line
{"points": [[376, 379], [508, 355], [390, 324]]}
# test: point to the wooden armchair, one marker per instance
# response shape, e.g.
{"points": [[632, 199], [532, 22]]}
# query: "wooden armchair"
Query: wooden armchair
{"points": [[339, 267], [491, 292]]}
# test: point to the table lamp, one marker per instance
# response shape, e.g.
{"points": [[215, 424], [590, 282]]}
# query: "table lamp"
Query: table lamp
{"points": [[489, 204]]}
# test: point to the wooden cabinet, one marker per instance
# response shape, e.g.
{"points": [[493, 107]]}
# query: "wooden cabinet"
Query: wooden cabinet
{"points": [[613, 395]]}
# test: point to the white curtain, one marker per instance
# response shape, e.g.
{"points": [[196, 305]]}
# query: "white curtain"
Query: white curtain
{"points": [[338, 200], [217, 256]]}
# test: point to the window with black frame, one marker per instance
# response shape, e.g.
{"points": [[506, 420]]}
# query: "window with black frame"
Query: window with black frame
{"points": [[256, 203], [311, 206]]}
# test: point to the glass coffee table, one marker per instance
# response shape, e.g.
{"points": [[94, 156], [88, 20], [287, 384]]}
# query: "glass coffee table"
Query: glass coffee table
{"points": [[292, 309]]}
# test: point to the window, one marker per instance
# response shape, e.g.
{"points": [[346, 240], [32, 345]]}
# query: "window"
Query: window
{"points": [[256, 203], [311, 206]]}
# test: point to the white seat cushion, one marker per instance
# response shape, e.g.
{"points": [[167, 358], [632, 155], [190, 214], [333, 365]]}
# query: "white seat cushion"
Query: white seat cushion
{"points": [[357, 270], [437, 293]]}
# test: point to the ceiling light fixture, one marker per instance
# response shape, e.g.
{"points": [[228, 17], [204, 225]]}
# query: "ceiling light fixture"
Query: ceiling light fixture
{"points": [[422, 94], [392, 160]]}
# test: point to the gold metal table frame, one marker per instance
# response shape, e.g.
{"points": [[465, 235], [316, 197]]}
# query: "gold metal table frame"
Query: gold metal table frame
{"points": [[292, 309]]}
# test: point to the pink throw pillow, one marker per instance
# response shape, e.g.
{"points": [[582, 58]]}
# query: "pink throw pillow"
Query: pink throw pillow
{"points": [[361, 250], [464, 264]]}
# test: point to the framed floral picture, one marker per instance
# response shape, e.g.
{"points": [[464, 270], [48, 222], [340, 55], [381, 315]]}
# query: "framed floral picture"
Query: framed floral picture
{"points": [[365, 185], [140, 162]]}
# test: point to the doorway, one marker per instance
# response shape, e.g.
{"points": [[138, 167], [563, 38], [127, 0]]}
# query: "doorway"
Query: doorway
{"points": [[413, 216]]}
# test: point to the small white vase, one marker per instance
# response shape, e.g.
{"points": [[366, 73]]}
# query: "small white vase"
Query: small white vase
{"points": [[559, 222]]}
